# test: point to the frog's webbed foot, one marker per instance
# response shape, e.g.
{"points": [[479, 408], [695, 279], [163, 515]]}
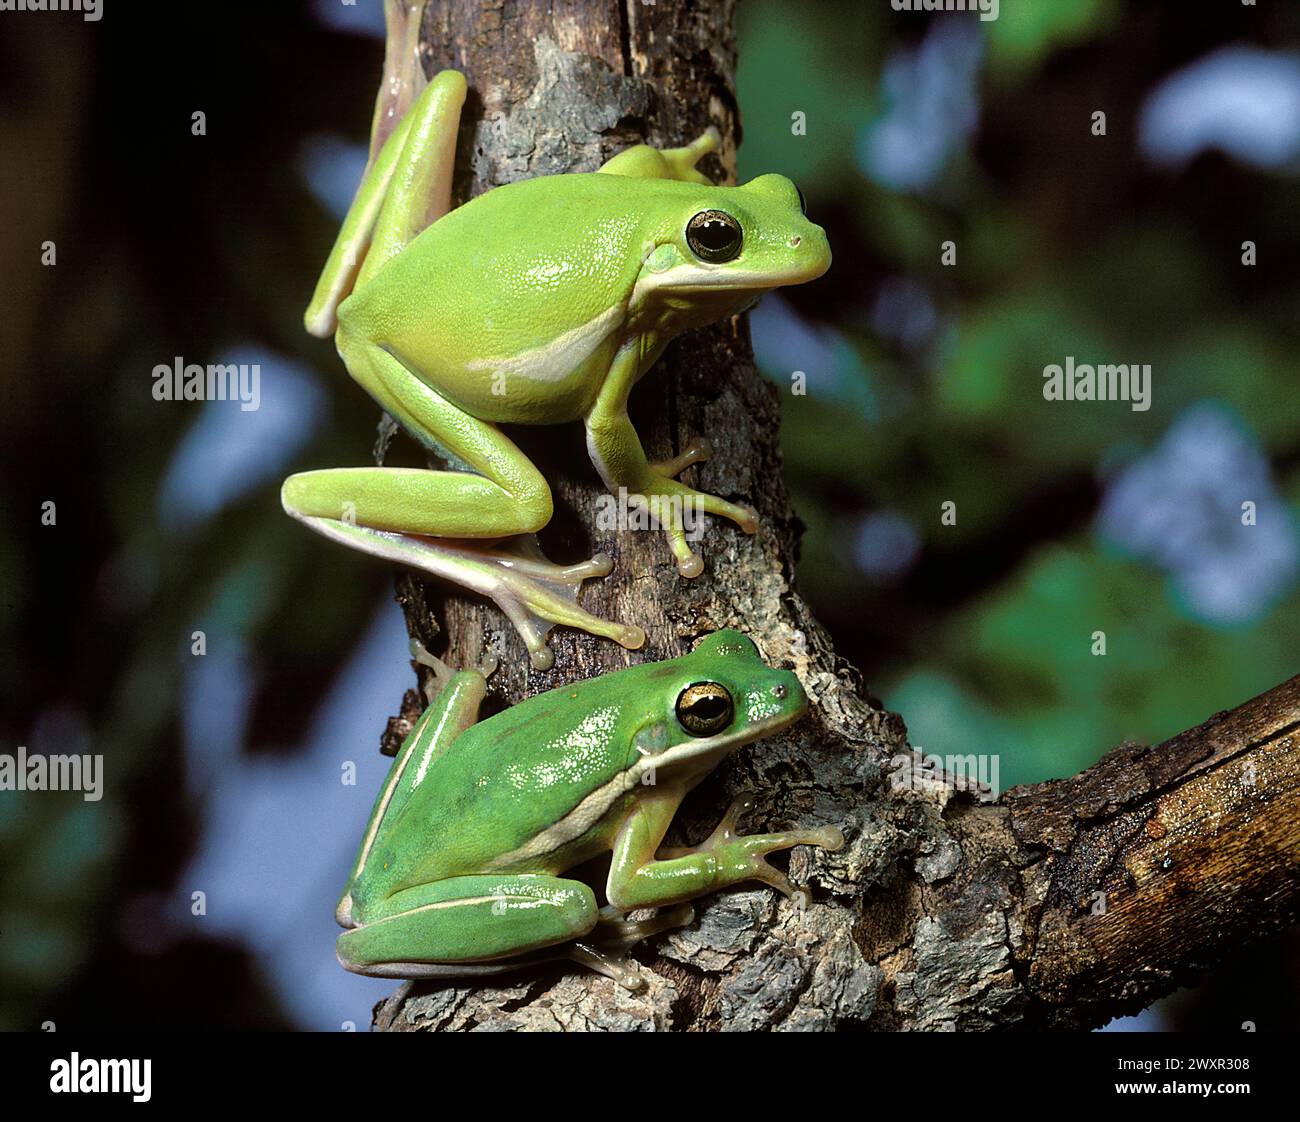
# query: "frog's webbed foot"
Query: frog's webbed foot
{"points": [[625, 971], [677, 508], [696, 452], [605, 950], [534, 593], [681, 161], [742, 856], [442, 673]]}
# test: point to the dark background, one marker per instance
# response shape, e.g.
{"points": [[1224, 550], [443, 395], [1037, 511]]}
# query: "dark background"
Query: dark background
{"points": [[924, 386]]}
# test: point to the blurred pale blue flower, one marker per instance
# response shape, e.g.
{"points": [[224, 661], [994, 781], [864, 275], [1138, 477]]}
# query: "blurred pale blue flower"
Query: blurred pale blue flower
{"points": [[885, 545], [362, 17], [1242, 100], [783, 344], [905, 313], [332, 168], [229, 451], [931, 99], [280, 831], [1180, 508]]}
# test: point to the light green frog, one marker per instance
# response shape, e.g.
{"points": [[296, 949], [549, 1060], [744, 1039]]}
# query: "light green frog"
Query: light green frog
{"points": [[540, 302], [461, 867]]}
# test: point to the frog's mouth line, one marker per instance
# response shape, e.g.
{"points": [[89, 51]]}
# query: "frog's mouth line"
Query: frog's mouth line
{"points": [[721, 744], [592, 808], [687, 278]]}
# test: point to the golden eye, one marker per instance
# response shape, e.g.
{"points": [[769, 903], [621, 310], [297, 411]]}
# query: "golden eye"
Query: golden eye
{"points": [[714, 236], [704, 709]]}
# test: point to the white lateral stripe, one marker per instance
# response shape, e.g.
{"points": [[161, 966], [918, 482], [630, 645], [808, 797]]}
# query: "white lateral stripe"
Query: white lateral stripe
{"points": [[381, 809], [592, 808], [438, 905]]}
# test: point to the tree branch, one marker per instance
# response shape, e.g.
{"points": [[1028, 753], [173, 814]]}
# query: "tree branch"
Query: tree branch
{"points": [[1157, 861]]}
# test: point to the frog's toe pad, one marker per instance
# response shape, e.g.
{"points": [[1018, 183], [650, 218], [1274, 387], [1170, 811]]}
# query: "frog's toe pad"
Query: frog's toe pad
{"points": [[626, 972], [690, 566]]}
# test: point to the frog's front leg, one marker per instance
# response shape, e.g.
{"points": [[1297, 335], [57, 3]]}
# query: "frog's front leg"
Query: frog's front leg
{"points": [[421, 931], [616, 452], [644, 161], [639, 877]]}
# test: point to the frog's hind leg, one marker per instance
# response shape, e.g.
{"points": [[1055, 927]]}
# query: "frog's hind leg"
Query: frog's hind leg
{"points": [[534, 595], [449, 713], [400, 513], [406, 187], [606, 949], [469, 920], [403, 78]]}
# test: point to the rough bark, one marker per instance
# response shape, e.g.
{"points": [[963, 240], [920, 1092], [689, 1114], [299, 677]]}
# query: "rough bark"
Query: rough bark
{"points": [[942, 911]]}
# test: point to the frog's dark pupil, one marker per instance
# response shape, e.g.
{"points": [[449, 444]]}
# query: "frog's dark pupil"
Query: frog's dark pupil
{"points": [[714, 234], [803, 202], [708, 709]]}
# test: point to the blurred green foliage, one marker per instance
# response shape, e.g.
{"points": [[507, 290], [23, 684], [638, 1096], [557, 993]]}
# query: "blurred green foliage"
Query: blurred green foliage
{"points": [[1066, 245]]}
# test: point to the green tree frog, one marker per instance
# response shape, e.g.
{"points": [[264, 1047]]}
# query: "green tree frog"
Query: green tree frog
{"points": [[539, 302], [460, 870]]}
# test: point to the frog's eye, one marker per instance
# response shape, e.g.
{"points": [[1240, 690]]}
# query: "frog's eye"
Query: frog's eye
{"points": [[803, 202], [704, 709], [714, 236]]}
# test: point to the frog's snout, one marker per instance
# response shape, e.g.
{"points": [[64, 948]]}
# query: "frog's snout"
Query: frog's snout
{"points": [[812, 247]]}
